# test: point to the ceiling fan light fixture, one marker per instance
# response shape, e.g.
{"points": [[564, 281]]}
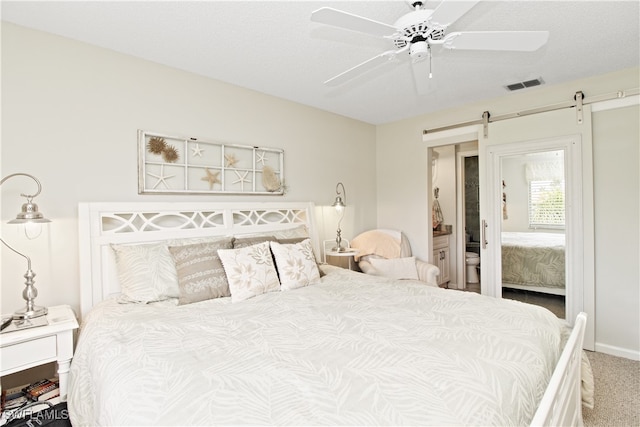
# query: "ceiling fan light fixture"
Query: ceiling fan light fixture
{"points": [[419, 50]]}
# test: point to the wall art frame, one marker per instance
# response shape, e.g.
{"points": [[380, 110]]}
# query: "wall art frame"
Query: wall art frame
{"points": [[187, 165]]}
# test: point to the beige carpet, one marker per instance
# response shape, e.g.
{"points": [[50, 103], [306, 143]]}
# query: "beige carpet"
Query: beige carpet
{"points": [[617, 392]]}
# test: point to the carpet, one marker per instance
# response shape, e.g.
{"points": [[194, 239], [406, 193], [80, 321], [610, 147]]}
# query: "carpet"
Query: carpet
{"points": [[617, 391]]}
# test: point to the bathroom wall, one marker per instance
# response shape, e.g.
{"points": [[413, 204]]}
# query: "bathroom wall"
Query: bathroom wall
{"points": [[471, 203]]}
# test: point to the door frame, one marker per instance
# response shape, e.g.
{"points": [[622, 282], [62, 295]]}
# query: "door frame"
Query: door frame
{"points": [[443, 138]]}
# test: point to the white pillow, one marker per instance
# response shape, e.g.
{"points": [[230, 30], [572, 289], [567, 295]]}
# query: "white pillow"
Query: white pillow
{"points": [[250, 271], [396, 268], [147, 271], [296, 264]]}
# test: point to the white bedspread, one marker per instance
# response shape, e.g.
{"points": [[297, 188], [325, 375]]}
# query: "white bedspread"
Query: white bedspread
{"points": [[352, 350]]}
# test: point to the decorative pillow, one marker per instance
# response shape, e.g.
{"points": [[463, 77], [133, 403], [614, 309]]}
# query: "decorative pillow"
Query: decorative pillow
{"points": [[396, 268], [292, 233], [200, 272], [243, 242], [296, 264], [146, 272], [292, 240], [289, 233], [250, 271], [298, 240]]}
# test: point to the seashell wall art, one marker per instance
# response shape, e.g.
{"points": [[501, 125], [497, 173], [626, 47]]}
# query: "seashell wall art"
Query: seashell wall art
{"points": [[187, 165]]}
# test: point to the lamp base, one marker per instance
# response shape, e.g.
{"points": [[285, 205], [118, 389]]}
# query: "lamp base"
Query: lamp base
{"points": [[339, 249], [25, 313]]}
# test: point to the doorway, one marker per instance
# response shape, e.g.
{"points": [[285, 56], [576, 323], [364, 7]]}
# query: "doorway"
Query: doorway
{"points": [[468, 217]]}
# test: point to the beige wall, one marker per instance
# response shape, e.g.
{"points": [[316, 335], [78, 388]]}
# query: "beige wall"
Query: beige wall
{"points": [[401, 157], [616, 137], [70, 113]]}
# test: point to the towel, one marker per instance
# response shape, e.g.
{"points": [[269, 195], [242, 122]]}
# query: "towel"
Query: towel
{"points": [[377, 242]]}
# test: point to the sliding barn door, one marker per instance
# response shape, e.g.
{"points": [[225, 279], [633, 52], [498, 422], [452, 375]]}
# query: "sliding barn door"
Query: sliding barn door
{"points": [[568, 130]]}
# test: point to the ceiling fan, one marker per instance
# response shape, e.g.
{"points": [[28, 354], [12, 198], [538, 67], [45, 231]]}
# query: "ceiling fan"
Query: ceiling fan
{"points": [[415, 32]]}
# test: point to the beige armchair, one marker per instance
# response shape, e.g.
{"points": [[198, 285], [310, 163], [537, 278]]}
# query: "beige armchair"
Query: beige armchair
{"points": [[384, 252]]}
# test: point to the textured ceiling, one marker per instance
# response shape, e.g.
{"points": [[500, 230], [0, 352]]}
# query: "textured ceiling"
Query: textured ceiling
{"points": [[274, 48]]}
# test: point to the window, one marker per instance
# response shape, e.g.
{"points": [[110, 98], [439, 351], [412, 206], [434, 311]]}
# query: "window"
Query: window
{"points": [[546, 204]]}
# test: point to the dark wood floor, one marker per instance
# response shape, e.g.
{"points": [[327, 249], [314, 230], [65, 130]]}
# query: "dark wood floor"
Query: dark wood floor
{"points": [[554, 303]]}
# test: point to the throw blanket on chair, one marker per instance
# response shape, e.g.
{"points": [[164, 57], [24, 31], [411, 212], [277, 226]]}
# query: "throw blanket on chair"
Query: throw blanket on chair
{"points": [[383, 243]]}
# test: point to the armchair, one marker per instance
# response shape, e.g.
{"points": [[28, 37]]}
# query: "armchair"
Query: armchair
{"points": [[384, 252]]}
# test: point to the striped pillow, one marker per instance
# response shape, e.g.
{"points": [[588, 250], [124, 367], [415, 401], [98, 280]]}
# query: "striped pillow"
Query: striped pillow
{"points": [[200, 272]]}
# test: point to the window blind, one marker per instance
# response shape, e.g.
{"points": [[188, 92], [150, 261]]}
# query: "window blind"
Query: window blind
{"points": [[546, 204]]}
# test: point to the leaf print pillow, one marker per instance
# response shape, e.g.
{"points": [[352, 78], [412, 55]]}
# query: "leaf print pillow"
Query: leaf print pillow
{"points": [[296, 264], [250, 271]]}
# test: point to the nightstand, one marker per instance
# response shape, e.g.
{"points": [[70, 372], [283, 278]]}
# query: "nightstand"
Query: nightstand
{"points": [[26, 348], [342, 259]]}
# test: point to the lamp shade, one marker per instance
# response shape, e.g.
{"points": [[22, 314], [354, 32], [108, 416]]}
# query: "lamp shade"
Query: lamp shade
{"points": [[338, 204], [29, 214]]}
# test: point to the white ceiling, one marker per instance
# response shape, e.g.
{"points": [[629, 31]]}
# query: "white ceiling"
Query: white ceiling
{"points": [[274, 48]]}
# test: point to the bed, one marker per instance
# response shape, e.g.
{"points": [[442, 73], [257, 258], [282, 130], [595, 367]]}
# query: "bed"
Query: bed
{"points": [[534, 261], [344, 349]]}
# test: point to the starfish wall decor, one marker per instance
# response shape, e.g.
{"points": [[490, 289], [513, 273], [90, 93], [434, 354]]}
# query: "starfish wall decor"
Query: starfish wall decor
{"points": [[261, 158], [231, 160], [212, 178], [161, 178], [196, 150], [174, 164], [242, 178]]}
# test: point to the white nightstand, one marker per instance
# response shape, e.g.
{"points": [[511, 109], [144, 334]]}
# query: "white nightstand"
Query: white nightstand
{"points": [[24, 349], [342, 259]]}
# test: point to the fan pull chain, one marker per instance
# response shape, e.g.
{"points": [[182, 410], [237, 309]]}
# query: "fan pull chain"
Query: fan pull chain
{"points": [[430, 73]]}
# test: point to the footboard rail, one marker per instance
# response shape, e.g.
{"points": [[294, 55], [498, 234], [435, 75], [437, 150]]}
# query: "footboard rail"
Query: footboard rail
{"points": [[561, 404]]}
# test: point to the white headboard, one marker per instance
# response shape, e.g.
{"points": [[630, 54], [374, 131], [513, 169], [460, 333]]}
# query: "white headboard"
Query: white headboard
{"points": [[101, 224]]}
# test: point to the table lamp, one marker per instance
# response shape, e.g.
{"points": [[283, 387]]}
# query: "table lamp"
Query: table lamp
{"points": [[340, 206], [28, 214]]}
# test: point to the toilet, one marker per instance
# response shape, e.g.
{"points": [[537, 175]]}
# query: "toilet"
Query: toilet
{"points": [[473, 261]]}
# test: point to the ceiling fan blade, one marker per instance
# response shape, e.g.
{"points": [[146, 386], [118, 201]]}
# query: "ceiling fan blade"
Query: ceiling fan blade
{"points": [[527, 41], [450, 11], [349, 21], [363, 67]]}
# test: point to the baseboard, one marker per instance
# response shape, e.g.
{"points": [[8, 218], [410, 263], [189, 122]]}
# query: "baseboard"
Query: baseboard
{"points": [[618, 351]]}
